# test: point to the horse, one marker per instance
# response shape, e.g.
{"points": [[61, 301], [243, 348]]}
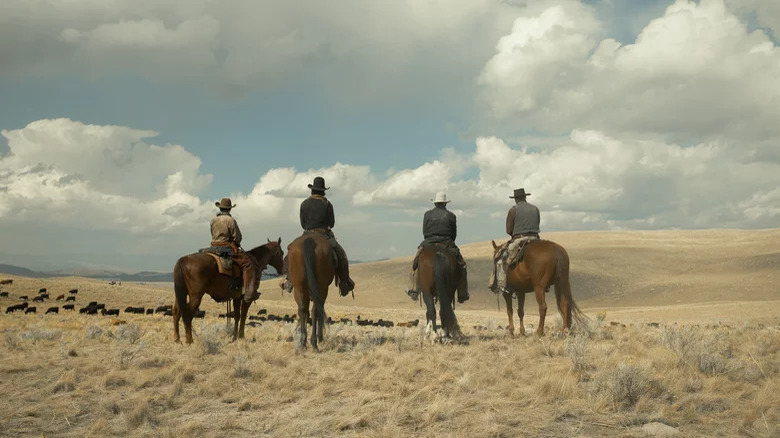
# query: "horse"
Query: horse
{"points": [[544, 264], [197, 274], [438, 271], [311, 270]]}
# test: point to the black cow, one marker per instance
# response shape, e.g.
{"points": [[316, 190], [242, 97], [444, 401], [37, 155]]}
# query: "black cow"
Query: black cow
{"points": [[6, 282], [16, 307], [168, 313], [92, 304], [262, 312], [3, 294], [38, 299], [199, 314], [42, 290], [23, 298], [73, 291], [31, 309], [100, 306], [150, 311], [68, 307], [70, 299], [162, 309], [45, 296], [105, 311], [54, 309]]}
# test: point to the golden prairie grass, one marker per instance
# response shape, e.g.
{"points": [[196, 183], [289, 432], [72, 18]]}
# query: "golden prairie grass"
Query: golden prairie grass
{"points": [[94, 379]]}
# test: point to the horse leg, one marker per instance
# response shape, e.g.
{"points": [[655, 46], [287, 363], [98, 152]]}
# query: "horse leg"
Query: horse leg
{"points": [[244, 312], [315, 313], [236, 314], [565, 309], [430, 315], [192, 306], [303, 316], [511, 326], [320, 334], [521, 311], [539, 292], [176, 317]]}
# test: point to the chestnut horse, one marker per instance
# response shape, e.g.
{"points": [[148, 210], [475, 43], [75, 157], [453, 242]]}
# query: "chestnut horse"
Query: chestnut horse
{"points": [[544, 264], [197, 274], [311, 270], [438, 271]]}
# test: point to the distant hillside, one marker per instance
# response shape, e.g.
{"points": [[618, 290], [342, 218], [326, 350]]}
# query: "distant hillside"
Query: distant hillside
{"points": [[612, 268], [22, 272], [144, 276]]}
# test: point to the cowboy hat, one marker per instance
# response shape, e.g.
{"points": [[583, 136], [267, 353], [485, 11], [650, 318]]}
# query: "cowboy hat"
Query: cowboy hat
{"points": [[520, 193], [225, 203], [319, 184], [440, 198]]}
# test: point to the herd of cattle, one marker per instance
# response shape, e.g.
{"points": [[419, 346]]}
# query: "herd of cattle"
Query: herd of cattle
{"points": [[94, 308]]}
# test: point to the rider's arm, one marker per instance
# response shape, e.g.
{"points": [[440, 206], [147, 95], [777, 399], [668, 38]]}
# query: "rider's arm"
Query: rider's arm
{"points": [[510, 221], [454, 227], [331, 216], [236, 233]]}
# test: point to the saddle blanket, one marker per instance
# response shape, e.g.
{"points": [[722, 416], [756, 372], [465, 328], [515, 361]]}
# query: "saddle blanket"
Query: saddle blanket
{"points": [[223, 256], [512, 251]]}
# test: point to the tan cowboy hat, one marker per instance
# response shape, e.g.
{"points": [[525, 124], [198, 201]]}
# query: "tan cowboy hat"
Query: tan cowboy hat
{"points": [[225, 203], [520, 193], [440, 197]]}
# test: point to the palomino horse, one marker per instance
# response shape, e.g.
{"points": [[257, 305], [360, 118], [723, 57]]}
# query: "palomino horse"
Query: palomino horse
{"points": [[544, 264], [197, 274], [438, 278], [311, 271]]}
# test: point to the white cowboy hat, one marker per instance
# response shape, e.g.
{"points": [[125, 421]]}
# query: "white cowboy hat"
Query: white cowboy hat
{"points": [[440, 197]]}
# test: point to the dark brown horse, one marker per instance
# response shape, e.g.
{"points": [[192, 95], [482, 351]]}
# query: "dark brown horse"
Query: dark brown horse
{"points": [[438, 278], [311, 271], [197, 274], [544, 264]]}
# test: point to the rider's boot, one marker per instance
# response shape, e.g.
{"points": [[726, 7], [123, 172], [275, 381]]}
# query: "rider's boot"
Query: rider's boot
{"points": [[250, 278]]}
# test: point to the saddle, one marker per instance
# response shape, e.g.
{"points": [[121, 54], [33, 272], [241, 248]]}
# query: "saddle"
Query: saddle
{"points": [[223, 255], [438, 245], [512, 252]]}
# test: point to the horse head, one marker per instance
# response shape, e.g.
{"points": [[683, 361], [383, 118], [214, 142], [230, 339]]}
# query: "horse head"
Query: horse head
{"points": [[277, 254]]}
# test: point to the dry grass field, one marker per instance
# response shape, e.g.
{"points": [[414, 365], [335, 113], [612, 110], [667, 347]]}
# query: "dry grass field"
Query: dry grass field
{"points": [[684, 341]]}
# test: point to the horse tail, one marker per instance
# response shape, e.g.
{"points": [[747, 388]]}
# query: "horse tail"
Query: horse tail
{"points": [[445, 290], [563, 285], [180, 287], [441, 275], [310, 267]]}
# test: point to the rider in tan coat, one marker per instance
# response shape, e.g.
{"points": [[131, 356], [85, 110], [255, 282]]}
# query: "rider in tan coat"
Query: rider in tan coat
{"points": [[225, 232]]}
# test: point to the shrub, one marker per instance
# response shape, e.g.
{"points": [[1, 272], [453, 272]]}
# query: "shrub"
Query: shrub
{"points": [[128, 332], [626, 384], [94, 331], [576, 349]]}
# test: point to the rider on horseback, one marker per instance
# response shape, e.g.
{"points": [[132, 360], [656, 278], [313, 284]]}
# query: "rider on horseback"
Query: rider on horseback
{"points": [[522, 224], [317, 217], [440, 226], [225, 232]]}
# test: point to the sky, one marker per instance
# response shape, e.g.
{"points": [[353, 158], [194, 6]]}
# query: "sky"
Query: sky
{"points": [[123, 121]]}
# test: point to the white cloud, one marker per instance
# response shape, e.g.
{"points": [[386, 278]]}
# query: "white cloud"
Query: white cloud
{"points": [[87, 176], [246, 44], [693, 74]]}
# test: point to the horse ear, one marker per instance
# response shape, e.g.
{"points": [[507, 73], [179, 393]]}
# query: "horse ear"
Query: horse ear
{"points": [[494, 244], [279, 241]]}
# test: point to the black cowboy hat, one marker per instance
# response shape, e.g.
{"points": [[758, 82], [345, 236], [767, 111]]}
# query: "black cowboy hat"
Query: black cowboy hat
{"points": [[520, 193], [225, 203], [319, 184]]}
